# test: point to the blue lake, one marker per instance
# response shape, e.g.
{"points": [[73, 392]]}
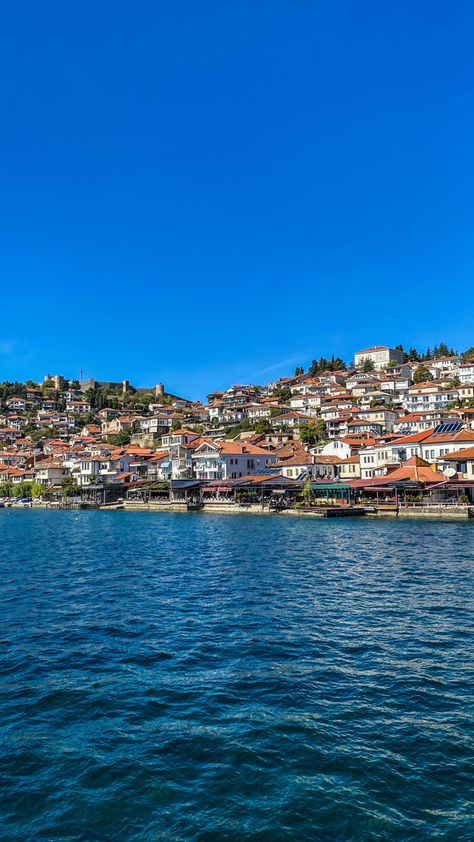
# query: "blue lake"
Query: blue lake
{"points": [[204, 677]]}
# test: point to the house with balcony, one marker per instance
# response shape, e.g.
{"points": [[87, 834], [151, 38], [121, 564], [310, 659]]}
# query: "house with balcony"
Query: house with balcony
{"points": [[379, 415], [10, 473], [154, 425], [443, 366], [416, 422], [291, 420], [159, 467], [101, 469], [229, 460], [78, 407], [257, 411], [359, 426], [466, 372], [360, 379], [307, 404], [51, 472], [429, 396], [16, 404]]}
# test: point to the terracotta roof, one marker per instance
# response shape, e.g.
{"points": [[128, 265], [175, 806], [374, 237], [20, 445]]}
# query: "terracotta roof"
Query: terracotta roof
{"points": [[297, 459], [414, 438], [461, 435], [467, 453], [375, 348], [415, 469]]}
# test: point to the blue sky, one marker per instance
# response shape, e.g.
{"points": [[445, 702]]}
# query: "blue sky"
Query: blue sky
{"points": [[206, 193]]}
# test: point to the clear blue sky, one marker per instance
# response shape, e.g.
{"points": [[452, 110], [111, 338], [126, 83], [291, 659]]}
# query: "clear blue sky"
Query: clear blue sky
{"points": [[207, 193]]}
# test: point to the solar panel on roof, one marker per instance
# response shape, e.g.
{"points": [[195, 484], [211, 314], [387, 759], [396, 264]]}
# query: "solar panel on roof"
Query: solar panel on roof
{"points": [[448, 427]]}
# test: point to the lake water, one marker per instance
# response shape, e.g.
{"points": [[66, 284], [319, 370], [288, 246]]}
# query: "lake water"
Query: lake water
{"points": [[204, 677]]}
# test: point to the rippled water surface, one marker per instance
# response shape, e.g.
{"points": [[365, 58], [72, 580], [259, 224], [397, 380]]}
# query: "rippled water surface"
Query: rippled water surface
{"points": [[206, 677]]}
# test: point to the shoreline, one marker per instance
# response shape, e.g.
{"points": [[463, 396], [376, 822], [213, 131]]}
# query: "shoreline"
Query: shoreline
{"points": [[332, 512]]}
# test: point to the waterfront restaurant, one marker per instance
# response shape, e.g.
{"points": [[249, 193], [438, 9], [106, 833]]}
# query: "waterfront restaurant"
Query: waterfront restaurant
{"points": [[331, 493], [264, 488]]}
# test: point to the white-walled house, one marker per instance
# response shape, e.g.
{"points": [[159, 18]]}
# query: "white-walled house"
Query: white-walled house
{"points": [[380, 355], [341, 447], [416, 422], [307, 404], [428, 396], [101, 469], [50, 472], [229, 460], [379, 415], [256, 411], [176, 437], [441, 444], [442, 366], [16, 403], [306, 464], [466, 372], [159, 467], [155, 424], [78, 407], [463, 462], [291, 419]]}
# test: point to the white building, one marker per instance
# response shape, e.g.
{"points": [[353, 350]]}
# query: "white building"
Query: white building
{"points": [[428, 396], [443, 442], [380, 355], [466, 372], [443, 366], [229, 460]]}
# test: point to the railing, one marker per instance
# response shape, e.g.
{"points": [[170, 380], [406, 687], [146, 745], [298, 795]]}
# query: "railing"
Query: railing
{"points": [[437, 506]]}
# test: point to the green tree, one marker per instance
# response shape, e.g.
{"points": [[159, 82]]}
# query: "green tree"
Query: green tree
{"points": [[307, 492], [413, 355], [263, 426], [37, 436], [119, 439], [283, 393], [69, 487], [422, 374], [312, 432], [367, 365]]}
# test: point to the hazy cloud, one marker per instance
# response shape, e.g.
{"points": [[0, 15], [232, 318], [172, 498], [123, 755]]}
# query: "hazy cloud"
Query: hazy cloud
{"points": [[283, 364]]}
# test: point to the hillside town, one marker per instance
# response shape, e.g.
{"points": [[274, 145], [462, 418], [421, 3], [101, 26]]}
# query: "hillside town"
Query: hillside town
{"points": [[390, 425]]}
